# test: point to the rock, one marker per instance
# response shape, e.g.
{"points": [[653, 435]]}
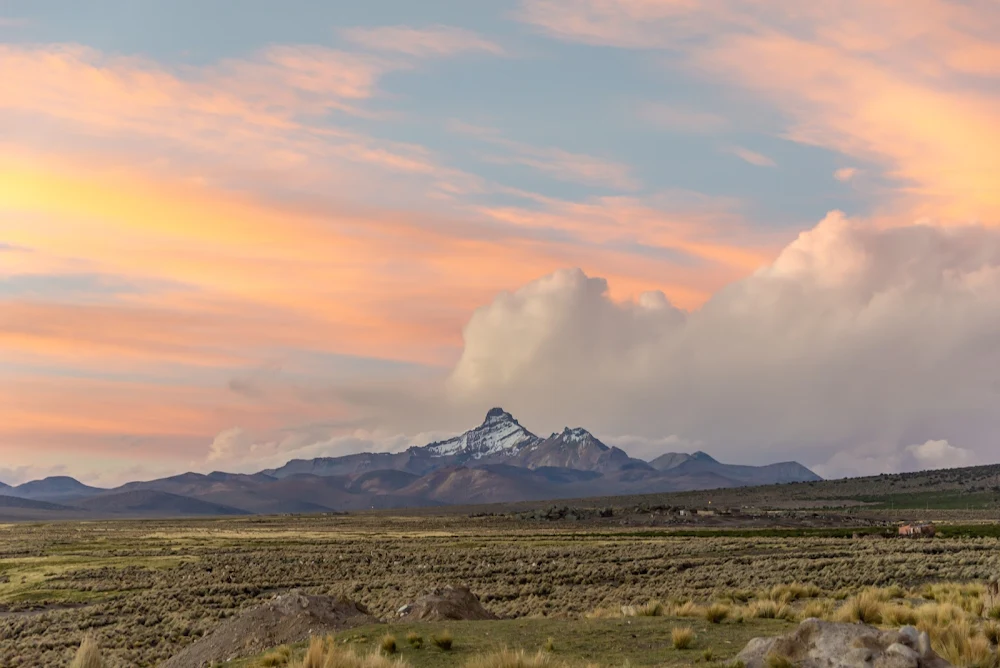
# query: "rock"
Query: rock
{"points": [[819, 644], [448, 603], [286, 618]]}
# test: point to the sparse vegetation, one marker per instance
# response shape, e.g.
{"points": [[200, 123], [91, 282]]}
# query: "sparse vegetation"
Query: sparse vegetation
{"points": [[415, 640], [682, 637], [717, 612], [388, 643], [443, 640], [89, 654], [144, 590]]}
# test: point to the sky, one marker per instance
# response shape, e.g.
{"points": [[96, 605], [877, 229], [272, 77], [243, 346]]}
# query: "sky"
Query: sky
{"points": [[235, 233]]}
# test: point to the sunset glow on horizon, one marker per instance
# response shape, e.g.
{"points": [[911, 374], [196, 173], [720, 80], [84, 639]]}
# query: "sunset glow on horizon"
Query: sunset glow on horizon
{"points": [[237, 234]]}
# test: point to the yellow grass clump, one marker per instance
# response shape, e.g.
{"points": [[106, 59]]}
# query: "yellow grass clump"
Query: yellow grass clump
{"points": [[328, 654], [89, 654], [716, 613], [865, 608], [682, 637]]}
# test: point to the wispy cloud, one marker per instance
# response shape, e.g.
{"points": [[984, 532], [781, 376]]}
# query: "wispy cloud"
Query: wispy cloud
{"points": [[850, 81], [753, 157], [11, 22], [433, 41], [681, 119], [552, 161], [845, 174]]}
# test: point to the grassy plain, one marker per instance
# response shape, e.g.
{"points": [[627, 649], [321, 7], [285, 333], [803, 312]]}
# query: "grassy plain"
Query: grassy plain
{"points": [[146, 589]]}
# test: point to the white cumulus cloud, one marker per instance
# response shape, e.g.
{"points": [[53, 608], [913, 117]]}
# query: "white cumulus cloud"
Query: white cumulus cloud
{"points": [[855, 343]]}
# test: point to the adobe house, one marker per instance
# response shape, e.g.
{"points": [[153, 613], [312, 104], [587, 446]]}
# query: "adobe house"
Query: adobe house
{"points": [[917, 529]]}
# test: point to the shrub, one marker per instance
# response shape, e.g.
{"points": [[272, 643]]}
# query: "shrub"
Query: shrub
{"points": [[550, 645], [443, 640], [994, 612], [682, 637], [716, 612], [89, 654], [388, 643], [415, 639]]}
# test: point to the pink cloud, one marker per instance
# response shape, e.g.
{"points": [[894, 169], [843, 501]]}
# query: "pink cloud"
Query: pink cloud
{"points": [[752, 157]]}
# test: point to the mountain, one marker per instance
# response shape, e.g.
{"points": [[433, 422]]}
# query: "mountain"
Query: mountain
{"points": [[669, 460], [30, 504], [54, 488], [573, 449], [700, 463], [499, 435], [147, 502], [497, 461]]}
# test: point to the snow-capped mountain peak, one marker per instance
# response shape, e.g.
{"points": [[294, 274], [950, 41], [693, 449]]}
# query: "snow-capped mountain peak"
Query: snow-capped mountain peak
{"points": [[499, 434], [574, 435]]}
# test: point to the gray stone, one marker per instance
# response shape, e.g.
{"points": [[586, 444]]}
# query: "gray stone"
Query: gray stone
{"points": [[819, 644]]}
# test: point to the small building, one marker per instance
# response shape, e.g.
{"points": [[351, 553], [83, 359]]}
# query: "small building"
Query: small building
{"points": [[917, 529], [706, 512]]}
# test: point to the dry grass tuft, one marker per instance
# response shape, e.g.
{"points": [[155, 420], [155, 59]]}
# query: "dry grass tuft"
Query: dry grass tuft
{"points": [[688, 609], [89, 654], [328, 654], [388, 643], [443, 640], [866, 608], [682, 637], [315, 656], [716, 613], [960, 645], [415, 639], [769, 610], [991, 631]]}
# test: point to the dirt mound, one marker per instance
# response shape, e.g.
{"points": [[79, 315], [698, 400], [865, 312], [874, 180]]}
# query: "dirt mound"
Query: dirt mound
{"points": [[446, 603], [818, 644], [287, 618]]}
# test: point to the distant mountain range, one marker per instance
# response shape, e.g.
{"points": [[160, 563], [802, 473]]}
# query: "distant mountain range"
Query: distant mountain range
{"points": [[498, 461]]}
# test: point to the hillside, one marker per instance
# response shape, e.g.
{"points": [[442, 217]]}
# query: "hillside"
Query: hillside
{"points": [[496, 461]]}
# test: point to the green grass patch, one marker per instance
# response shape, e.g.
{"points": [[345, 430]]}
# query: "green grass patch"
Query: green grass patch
{"points": [[638, 642]]}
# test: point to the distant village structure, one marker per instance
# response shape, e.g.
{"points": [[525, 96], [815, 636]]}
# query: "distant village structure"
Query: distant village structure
{"points": [[917, 530]]}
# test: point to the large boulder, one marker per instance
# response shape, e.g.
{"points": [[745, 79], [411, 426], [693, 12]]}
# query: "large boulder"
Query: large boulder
{"points": [[287, 618], [446, 603], [819, 644]]}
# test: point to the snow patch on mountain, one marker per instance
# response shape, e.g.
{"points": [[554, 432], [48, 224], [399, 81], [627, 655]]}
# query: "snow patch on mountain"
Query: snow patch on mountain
{"points": [[499, 434]]}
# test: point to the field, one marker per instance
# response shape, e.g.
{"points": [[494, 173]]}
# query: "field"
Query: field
{"points": [[146, 589]]}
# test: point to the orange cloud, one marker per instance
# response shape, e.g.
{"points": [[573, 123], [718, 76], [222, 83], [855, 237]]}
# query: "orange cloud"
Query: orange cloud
{"points": [[908, 85], [224, 280]]}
